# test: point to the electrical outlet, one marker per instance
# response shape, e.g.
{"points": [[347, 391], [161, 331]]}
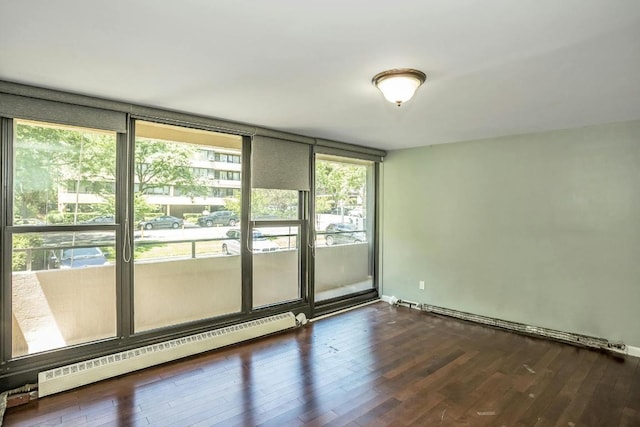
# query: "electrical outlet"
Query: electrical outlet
{"points": [[422, 284]]}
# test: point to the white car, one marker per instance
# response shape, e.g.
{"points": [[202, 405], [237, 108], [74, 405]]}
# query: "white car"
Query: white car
{"points": [[260, 243]]}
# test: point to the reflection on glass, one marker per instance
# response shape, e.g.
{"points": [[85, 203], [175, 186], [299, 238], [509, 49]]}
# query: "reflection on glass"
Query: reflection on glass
{"points": [[186, 198], [344, 243], [276, 265], [62, 174], [63, 289]]}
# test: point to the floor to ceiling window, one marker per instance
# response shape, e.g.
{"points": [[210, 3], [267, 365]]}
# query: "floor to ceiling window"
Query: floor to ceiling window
{"points": [[187, 194], [279, 204], [344, 226], [275, 246], [121, 228], [62, 232]]}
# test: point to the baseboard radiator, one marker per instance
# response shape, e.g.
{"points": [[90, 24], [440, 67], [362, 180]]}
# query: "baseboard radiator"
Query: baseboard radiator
{"points": [[90, 371], [568, 337]]}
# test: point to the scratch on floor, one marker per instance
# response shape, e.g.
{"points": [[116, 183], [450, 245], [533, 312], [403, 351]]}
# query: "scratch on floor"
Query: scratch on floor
{"points": [[486, 413], [442, 417], [529, 369]]}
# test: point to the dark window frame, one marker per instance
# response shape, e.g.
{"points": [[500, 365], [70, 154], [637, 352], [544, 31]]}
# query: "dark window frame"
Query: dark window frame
{"points": [[17, 371]]}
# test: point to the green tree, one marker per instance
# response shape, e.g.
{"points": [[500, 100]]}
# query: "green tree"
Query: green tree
{"points": [[48, 157], [268, 203], [142, 208], [19, 258], [233, 205], [338, 184], [161, 163]]}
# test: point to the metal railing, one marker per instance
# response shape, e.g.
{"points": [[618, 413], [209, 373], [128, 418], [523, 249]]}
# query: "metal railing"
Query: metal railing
{"points": [[43, 257]]}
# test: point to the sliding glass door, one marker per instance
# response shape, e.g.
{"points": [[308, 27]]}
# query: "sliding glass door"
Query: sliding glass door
{"points": [[344, 226], [186, 225]]}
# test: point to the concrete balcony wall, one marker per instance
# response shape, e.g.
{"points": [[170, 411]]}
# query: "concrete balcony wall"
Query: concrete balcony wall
{"points": [[341, 265], [177, 291], [275, 277], [19, 344], [57, 308]]}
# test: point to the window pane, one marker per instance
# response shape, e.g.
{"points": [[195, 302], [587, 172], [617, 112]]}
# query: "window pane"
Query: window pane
{"points": [[274, 204], [63, 174], [276, 265], [63, 283], [183, 212], [344, 230], [63, 289]]}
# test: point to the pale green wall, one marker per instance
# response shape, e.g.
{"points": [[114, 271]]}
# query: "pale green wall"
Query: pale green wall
{"points": [[542, 228]]}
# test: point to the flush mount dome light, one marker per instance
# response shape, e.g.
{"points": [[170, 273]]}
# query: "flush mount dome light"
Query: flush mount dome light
{"points": [[399, 85]]}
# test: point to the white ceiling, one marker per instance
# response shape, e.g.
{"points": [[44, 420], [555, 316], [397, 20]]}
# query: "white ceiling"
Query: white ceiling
{"points": [[494, 67]]}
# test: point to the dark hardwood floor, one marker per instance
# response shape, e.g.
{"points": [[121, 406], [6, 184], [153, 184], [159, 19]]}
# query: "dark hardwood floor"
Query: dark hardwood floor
{"points": [[376, 365]]}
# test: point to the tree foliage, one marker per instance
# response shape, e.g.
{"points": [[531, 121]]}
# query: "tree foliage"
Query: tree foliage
{"points": [[339, 184], [47, 158], [19, 258], [268, 203], [162, 163]]}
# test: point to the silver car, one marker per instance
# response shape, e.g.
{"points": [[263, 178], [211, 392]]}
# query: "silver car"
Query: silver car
{"points": [[260, 244]]}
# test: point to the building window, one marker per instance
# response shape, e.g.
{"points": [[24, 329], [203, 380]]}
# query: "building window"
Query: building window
{"points": [[227, 158], [227, 175], [224, 192]]}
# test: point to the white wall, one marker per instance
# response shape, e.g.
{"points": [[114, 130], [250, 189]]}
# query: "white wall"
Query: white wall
{"points": [[542, 229]]}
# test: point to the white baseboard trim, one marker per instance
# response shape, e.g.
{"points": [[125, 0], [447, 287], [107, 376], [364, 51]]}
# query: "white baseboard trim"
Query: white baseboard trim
{"points": [[344, 310], [386, 298], [628, 349], [633, 351], [392, 300]]}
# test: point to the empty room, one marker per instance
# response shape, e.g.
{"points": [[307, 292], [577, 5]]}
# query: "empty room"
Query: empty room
{"points": [[290, 213]]}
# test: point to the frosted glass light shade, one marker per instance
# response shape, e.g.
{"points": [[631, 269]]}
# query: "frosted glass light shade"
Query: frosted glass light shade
{"points": [[398, 86]]}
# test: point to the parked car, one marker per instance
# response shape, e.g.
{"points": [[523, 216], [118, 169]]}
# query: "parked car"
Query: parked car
{"points": [[79, 257], [260, 243], [164, 221], [103, 219], [343, 232], [218, 218]]}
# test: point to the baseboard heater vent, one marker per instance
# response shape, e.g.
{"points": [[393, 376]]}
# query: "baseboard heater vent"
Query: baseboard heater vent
{"points": [[568, 337], [89, 371]]}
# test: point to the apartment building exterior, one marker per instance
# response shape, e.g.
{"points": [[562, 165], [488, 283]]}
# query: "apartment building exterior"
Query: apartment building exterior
{"points": [[217, 169]]}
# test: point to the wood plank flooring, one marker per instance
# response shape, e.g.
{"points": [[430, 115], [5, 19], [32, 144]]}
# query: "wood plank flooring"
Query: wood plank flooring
{"points": [[376, 365]]}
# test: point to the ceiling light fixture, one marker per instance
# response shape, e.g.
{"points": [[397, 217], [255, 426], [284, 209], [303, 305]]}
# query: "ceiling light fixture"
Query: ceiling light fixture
{"points": [[399, 85]]}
